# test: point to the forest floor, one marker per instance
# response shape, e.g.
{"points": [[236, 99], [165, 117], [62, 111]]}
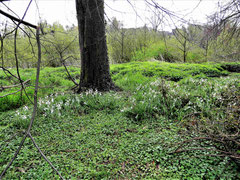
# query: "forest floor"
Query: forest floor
{"points": [[137, 133]]}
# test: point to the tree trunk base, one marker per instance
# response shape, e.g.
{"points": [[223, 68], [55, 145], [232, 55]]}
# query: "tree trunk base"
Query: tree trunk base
{"points": [[103, 88]]}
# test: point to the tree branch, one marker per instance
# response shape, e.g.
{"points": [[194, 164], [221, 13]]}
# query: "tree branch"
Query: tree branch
{"points": [[18, 20]]}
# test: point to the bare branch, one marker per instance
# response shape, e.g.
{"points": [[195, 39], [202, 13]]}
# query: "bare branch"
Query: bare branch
{"points": [[17, 19], [40, 151]]}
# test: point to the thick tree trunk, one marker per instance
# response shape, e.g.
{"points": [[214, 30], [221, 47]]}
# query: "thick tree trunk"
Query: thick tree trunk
{"points": [[95, 71]]}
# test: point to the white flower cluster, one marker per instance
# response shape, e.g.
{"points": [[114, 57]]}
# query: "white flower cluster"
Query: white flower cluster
{"points": [[52, 105], [197, 93], [92, 92], [24, 113]]}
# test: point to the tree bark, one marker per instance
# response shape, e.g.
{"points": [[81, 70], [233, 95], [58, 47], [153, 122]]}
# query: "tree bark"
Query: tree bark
{"points": [[95, 73]]}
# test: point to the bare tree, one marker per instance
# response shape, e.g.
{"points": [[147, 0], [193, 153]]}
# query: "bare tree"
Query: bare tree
{"points": [[182, 37], [229, 11], [207, 36], [225, 30]]}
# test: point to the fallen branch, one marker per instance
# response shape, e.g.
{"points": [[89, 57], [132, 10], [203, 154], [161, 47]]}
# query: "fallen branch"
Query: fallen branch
{"points": [[194, 139], [46, 159], [16, 85]]}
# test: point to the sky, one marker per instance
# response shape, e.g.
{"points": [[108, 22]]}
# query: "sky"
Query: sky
{"points": [[64, 12]]}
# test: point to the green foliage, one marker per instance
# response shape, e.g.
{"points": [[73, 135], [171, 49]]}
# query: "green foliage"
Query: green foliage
{"points": [[196, 55], [125, 45], [59, 45], [168, 52], [225, 46], [153, 51]]}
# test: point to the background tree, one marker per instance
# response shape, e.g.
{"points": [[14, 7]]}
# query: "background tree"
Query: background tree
{"points": [[60, 45], [181, 36], [206, 37]]}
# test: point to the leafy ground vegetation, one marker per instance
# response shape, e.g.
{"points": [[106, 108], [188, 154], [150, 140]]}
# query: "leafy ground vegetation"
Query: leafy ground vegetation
{"points": [[170, 121]]}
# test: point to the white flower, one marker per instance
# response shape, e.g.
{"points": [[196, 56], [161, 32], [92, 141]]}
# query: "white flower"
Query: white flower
{"points": [[25, 108], [59, 106], [40, 102], [78, 100], [67, 103]]}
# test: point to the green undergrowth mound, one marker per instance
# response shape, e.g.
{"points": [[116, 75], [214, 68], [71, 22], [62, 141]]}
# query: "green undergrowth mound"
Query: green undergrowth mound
{"points": [[231, 67], [169, 71]]}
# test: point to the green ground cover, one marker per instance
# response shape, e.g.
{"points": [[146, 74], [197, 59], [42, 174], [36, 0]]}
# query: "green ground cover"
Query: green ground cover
{"points": [[130, 134]]}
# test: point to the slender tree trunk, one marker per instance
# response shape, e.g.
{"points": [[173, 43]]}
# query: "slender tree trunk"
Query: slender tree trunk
{"points": [[122, 44], [145, 39], [206, 49], [95, 71], [185, 51]]}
